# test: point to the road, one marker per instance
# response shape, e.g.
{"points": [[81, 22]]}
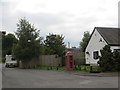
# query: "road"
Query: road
{"points": [[19, 78]]}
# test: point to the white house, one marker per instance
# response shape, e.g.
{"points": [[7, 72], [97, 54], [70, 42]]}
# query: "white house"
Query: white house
{"points": [[100, 37]]}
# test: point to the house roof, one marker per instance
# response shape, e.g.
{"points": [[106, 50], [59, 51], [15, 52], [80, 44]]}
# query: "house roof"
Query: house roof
{"points": [[75, 50], [110, 35]]}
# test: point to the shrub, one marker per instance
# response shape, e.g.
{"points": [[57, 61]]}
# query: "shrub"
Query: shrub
{"points": [[109, 61]]}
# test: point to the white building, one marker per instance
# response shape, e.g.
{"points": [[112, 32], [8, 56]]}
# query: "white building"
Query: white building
{"points": [[100, 37]]}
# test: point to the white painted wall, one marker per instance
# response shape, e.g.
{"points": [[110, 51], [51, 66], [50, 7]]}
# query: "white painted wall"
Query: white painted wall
{"points": [[114, 47], [94, 45]]}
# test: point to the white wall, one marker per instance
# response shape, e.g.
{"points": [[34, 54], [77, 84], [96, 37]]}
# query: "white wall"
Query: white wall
{"points": [[94, 45], [114, 47]]}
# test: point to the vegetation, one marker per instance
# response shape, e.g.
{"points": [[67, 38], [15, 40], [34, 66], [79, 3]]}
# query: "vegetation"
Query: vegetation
{"points": [[85, 40], [28, 46], [50, 68], [77, 68], [54, 45], [116, 60], [109, 61], [8, 42], [87, 68]]}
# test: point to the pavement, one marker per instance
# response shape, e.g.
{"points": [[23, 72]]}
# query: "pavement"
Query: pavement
{"points": [[27, 78]]}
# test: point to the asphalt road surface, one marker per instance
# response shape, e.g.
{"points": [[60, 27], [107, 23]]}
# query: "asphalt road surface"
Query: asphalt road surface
{"points": [[19, 78]]}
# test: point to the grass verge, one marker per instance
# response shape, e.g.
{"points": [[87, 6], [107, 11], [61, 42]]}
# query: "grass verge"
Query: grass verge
{"points": [[95, 69]]}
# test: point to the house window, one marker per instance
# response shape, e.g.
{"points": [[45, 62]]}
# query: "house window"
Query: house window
{"points": [[117, 50], [95, 55], [100, 40]]}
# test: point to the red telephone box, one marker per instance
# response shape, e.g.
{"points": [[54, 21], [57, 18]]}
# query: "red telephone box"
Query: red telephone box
{"points": [[69, 61]]}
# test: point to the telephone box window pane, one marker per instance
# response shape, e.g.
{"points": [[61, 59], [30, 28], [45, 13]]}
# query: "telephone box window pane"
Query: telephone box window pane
{"points": [[95, 54], [70, 61]]}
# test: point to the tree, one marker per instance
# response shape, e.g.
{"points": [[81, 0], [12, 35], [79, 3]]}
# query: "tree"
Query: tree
{"points": [[106, 59], [54, 44], [28, 46], [85, 40], [8, 42]]}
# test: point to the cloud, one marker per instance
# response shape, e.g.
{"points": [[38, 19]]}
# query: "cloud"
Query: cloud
{"points": [[0, 17], [68, 17]]}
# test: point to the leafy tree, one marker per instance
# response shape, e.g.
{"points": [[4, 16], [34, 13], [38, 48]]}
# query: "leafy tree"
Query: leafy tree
{"points": [[106, 59], [8, 42], [28, 46], [85, 40], [54, 44]]}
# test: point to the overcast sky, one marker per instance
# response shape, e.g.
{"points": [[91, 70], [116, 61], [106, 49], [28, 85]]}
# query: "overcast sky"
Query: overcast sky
{"points": [[68, 17]]}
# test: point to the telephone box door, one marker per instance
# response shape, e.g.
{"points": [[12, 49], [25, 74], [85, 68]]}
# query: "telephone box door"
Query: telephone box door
{"points": [[69, 61]]}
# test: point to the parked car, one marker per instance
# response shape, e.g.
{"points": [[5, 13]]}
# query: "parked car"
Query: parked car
{"points": [[10, 61]]}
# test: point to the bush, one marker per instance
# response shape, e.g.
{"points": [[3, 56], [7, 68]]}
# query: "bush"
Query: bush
{"points": [[3, 60], [109, 61]]}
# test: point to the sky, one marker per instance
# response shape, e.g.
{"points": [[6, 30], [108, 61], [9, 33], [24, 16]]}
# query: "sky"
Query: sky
{"points": [[71, 18]]}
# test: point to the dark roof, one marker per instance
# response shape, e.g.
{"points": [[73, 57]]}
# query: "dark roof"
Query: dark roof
{"points": [[75, 50], [110, 35]]}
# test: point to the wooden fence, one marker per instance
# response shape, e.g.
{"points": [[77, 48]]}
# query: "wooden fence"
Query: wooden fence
{"points": [[43, 60], [50, 60]]}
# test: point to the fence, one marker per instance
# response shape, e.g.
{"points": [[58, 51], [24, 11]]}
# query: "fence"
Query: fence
{"points": [[43, 60], [53, 60], [79, 58], [50, 60]]}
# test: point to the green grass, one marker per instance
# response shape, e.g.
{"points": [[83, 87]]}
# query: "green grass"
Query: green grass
{"points": [[78, 68], [50, 68], [87, 68]]}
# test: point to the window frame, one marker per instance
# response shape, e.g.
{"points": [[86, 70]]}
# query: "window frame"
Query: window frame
{"points": [[95, 55]]}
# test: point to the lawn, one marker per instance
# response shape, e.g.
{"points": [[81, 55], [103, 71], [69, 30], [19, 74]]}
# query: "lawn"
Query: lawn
{"points": [[50, 68], [63, 68], [87, 68]]}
